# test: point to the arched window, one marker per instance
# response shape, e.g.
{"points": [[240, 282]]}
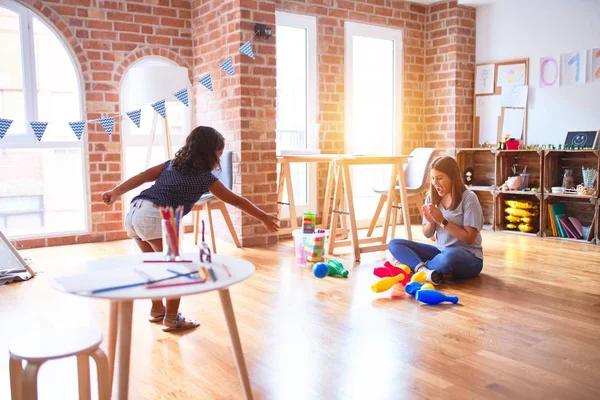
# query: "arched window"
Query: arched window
{"points": [[42, 182], [149, 80]]}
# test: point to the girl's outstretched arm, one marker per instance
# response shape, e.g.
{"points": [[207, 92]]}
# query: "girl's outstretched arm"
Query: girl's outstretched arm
{"points": [[222, 193], [149, 175]]}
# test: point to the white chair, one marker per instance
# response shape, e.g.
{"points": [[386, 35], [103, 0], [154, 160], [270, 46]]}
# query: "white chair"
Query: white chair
{"points": [[38, 346], [416, 173], [209, 203]]}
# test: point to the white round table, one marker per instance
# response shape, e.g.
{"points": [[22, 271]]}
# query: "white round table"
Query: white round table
{"points": [[132, 270]]}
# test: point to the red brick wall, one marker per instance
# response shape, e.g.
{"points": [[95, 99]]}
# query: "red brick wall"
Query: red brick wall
{"points": [[106, 37], [242, 106], [449, 76]]}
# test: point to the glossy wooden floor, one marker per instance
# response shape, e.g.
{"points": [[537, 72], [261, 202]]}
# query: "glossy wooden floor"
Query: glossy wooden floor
{"points": [[527, 328]]}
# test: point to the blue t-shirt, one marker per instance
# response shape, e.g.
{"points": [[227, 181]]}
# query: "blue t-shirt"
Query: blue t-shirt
{"points": [[173, 189]]}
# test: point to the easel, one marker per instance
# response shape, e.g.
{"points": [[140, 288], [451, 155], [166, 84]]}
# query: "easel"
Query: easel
{"points": [[168, 149], [18, 260]]}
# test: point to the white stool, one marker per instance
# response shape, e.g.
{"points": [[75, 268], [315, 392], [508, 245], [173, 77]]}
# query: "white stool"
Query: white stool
{"points": [[39, 347]]}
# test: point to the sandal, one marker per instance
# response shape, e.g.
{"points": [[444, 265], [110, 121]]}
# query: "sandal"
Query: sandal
{"points": [[158, 318], [181, 323]]}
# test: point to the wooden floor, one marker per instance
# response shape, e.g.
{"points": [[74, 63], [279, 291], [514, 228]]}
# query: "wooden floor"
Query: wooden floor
{"points": [[527, 328]]}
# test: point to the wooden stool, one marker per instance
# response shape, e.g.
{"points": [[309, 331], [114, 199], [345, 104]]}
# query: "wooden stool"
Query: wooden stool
{"points": [[39, 347]]}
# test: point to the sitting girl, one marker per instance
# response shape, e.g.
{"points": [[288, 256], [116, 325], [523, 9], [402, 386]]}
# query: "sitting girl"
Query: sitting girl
{"points": [[179, 182], [454, 215]]}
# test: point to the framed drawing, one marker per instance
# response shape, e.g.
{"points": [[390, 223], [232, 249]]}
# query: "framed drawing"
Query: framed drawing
{"points": [[12, 266], [583, 139]]}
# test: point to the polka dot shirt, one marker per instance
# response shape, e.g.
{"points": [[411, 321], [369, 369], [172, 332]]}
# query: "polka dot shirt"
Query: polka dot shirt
{"points": [[173, 189]]}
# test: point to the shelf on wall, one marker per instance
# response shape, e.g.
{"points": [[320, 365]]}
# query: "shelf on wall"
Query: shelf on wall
{"points": [[571, 196], [476, 188], [519, 192]]}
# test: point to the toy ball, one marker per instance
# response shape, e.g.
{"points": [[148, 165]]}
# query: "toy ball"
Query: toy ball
{"points": [[320, 270], [427, 286]]}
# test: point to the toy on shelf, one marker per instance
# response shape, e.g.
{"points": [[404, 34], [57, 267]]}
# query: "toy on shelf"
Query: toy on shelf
{"points": [[520, 215], [434, 297], [332, 268]]}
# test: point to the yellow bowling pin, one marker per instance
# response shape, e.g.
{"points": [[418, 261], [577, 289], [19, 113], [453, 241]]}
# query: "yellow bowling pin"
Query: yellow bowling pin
{"points": [[420, 277], [386, 283], [427, 286]]}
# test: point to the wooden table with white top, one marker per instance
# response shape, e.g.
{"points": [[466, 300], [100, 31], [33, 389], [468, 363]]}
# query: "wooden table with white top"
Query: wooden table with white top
{"points": [[120, 270], [343, 191]]}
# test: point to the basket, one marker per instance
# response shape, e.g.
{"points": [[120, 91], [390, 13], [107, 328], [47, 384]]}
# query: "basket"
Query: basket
{"points": [[310, 247]]}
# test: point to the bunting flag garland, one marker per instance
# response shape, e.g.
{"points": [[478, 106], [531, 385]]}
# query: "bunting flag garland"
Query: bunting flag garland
{"points": [[227, 66], [78, 127], [206, 82], [38, 128], [247, 49], [107, 123], [159, 107], [135, 116], [182, 96], [4, 125]]}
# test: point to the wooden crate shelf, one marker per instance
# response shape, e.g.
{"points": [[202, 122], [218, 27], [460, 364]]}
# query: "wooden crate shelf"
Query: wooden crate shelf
{"points": [[545, 168], [584, 209], [556, 161]]}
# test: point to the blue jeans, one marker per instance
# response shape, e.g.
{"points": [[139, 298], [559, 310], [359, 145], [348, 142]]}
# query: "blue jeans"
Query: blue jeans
{"points": [[455, 261]]}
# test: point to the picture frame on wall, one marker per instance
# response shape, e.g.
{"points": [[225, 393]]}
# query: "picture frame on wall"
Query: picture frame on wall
{"points": [[583, 139]]}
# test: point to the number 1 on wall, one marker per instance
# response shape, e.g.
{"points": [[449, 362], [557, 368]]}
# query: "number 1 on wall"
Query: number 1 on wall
{"points": [[576, 59]]}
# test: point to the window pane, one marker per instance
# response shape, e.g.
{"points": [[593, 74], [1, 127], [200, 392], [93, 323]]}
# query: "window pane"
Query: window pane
{"points": [[34, 199], [58, 91], [12, 101], [292, 102]]}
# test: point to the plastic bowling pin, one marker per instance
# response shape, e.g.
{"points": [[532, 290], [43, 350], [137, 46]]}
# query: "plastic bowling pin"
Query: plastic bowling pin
{"points": [[336, 268], [420, 276], [386, 283], [413, 287], [434, 297], [427, 286], [389, 270]]}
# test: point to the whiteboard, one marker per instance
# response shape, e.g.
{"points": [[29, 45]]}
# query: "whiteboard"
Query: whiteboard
{"points": [[12, 265]]}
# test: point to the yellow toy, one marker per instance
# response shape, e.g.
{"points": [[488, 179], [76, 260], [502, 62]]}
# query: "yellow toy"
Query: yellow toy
{"points": [[427, 286], [386, 283], [420, 277]]}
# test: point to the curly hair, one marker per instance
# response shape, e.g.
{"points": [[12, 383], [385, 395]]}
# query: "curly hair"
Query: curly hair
{"points": [[199, 151]]}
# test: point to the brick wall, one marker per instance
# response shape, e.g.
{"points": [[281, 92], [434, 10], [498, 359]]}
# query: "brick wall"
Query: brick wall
{"points": [[242, 106], [449, 76], [106, 37]]}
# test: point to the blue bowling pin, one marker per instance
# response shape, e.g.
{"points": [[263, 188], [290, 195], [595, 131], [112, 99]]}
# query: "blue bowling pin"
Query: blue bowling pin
{"points": [[412, 288], [434, 297]]}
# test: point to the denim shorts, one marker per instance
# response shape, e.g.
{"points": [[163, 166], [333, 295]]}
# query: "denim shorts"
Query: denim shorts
{"points": [[143, 221]]}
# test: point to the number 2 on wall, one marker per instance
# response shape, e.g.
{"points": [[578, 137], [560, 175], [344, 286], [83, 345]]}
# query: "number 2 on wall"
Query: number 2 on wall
{"points": [[575, 59]]}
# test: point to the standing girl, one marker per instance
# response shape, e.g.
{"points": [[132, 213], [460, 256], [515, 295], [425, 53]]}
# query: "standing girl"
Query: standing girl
{"points": [[179, 182], [454, 215]]}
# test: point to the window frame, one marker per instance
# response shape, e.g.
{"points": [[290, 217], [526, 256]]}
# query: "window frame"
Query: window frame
{"points": [[28, 140], [309, 23]]}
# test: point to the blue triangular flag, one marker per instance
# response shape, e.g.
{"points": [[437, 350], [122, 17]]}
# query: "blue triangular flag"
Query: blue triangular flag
{"points": [[4, 125], [159, 107], [107, 123], [39, 128], [227, 66], [78, 127], [182, 96], [247, 49], [135, 116], [206, 82]]}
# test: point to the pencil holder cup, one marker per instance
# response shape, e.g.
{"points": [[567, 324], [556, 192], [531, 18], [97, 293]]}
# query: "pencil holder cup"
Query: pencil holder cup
{"points": [[172, 234]]}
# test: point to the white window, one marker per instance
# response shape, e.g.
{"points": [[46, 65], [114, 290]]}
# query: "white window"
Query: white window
{"points": [[373, 59], [149, 80], [297, 99], [39, 82]]}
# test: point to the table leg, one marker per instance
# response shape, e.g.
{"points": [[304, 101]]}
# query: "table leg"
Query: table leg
{"points": [[335, 207], [290, 195], [328, 194], [16, 379], [125, 317], [113, 329], [404, 201], [351, 215], [235, 341], [390, 199], [280, 184]]}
